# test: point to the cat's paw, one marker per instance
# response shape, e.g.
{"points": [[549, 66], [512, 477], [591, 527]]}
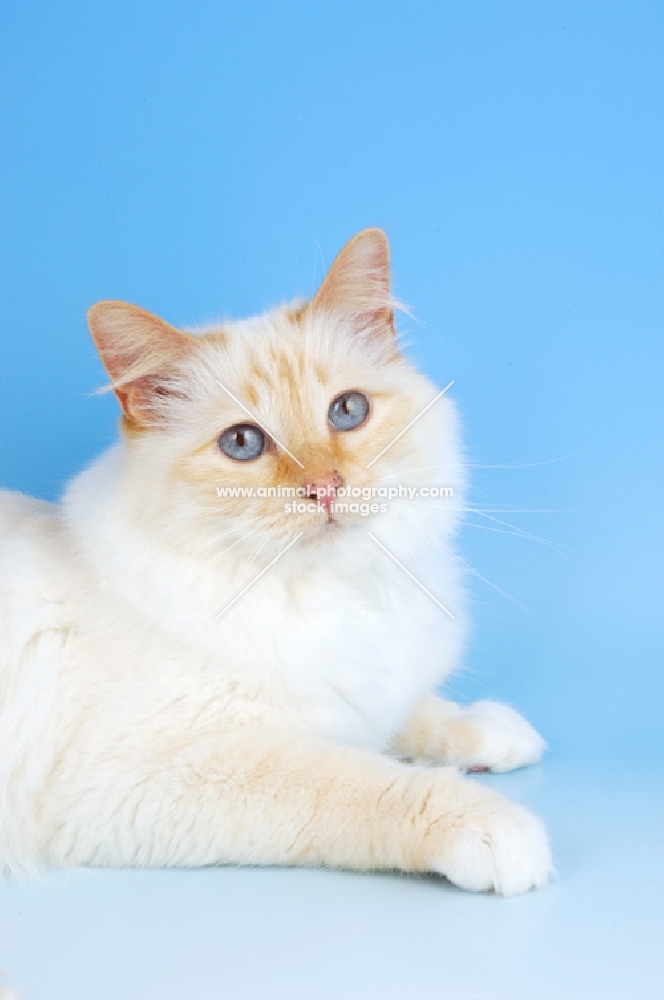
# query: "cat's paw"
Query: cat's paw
{"points": [[493, 737], [501, 847], [7, 994]]}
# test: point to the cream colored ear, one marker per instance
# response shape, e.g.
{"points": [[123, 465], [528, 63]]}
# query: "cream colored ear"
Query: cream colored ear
{"points": [[358, 283], [140, 352]]}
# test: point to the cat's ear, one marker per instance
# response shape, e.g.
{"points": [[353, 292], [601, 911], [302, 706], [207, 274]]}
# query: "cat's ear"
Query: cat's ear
{"points": [[141, 354], [358, 283]]}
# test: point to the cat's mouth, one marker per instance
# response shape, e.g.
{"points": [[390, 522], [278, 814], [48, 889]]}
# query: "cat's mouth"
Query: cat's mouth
{"points": [[329, 525], [333, 526], [327, 529]]}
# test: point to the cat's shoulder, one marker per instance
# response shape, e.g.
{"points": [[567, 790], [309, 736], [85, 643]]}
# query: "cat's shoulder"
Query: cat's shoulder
{"points": [[18, 509], [27, 525]]}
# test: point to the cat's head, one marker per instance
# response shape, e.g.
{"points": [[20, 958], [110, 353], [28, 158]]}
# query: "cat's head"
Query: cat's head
{"points": [[301, 399]]}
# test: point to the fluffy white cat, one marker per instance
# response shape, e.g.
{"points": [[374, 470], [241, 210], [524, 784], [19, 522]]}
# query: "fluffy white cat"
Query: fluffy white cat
{"points": [[188, 678]]}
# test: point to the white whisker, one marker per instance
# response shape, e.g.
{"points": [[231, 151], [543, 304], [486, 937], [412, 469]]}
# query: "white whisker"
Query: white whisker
{"points": [[504, 593], [524, 534], [446, 551], [529, 465]]}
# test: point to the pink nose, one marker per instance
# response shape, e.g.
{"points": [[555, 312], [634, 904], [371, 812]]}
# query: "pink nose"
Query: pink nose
{"points": [[324, 488]]}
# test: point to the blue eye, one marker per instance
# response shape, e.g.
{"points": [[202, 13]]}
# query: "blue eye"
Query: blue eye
{"points": [[348, 411], [243, 442]]}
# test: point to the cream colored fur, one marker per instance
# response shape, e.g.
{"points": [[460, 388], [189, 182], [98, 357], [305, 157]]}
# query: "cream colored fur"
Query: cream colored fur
{"points": [[140, 727], [7, 994]]}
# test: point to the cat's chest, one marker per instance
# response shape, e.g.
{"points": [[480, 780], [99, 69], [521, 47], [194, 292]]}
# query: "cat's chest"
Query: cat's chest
{"points": [[346, 655], [349, 662]]}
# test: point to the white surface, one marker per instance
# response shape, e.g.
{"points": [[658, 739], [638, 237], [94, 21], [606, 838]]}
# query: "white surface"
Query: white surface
{"points": [[594, 933]]}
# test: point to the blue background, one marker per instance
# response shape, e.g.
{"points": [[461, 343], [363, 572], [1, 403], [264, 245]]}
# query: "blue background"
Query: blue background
{"points": [[205, 159]]}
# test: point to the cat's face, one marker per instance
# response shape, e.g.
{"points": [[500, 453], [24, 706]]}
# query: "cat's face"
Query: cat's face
{"points": [[247, 434]]}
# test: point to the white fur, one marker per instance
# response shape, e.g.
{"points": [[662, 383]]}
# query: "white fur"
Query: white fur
{"points": [[505, 739], [137, 727], [7, 994]]}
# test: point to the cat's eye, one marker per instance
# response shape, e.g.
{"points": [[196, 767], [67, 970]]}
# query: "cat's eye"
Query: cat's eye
{"points": [[243, 442], [348, 411]]}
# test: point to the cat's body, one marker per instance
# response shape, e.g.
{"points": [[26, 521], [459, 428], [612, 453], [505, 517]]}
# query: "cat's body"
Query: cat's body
{"points": [[151, 713]]}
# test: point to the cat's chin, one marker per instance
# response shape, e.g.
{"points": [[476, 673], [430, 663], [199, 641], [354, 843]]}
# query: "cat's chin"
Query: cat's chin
{"points": [[328, 531]]}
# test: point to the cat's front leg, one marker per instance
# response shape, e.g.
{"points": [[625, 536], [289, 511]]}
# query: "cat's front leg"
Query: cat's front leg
{"points": [[482, 736], [262, 799]]}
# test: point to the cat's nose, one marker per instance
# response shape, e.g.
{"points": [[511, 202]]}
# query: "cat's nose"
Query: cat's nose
{"points": [[323, 488]]}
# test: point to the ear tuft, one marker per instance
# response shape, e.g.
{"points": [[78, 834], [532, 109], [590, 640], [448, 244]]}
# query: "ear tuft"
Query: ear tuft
{"points": [[140, 352]]}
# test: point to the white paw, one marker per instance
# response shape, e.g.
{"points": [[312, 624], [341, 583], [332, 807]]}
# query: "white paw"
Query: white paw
{"points": [[499, 738], [7, 994], [502, 847]]}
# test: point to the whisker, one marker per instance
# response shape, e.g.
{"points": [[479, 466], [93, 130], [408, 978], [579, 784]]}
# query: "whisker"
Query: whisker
{"points": [[504, 593], [513, 528], [259, 548], [530, 465], [211, 543], [525, 534], [471, 569], [477, 465], [421, 468], [237, 541], [515, 534], [496, 509]]}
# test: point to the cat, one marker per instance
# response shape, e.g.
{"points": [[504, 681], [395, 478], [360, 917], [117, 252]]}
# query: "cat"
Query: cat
{"points": [[193, 678]]}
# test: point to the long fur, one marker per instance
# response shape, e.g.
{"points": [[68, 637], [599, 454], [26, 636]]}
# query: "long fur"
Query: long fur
{"points": [[143, 721]]}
